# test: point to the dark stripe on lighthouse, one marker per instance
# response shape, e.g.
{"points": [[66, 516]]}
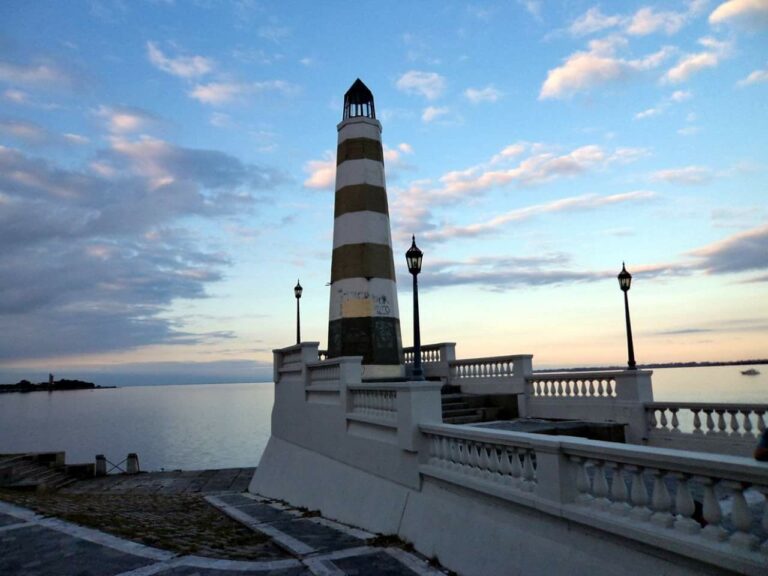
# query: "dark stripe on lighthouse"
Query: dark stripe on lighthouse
{"points": [[376, 339], [359, 197], [362, 261], [359, 149]]}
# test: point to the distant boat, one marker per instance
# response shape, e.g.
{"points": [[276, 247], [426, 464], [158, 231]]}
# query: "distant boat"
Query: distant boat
{"points": [[750, 372]]}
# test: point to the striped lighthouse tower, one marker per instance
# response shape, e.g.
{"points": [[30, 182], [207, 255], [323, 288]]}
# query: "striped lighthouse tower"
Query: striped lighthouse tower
{"points": [[364, 318]]}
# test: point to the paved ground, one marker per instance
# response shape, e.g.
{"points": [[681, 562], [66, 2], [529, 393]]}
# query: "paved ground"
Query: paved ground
{"points": [[183, 524]]}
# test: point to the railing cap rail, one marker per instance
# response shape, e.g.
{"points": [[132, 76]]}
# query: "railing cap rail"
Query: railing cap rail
{"points": [[390, 386], [296, 347], [490, 359], [708, 405], [430, 346], [337, 361], [584, 375], [736, 468]]}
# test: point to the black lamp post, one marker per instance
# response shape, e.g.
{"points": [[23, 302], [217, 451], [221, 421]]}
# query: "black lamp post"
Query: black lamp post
{"points": [[625, 281], [413, 258], [297, 290]]}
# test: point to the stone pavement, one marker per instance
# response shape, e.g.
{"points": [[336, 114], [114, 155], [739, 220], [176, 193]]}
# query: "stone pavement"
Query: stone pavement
{"points": [[296, 542]]}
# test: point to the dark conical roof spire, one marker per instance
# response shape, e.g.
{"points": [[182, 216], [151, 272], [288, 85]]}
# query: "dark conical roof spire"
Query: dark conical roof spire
{"points": [[358, 101]]}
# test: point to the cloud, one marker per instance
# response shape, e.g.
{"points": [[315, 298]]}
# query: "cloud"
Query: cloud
{"points": [[428, 84], [743, 252], [91, 262], [585, 70], [572, 204], [715, 52], [28, 132], [532, 164], [681, 96], [322, 173], [533, 7], [755, 77], [648, 113], [223, 92], [593, 20], [125, 119], [506, 272], [647, 21], [181, 66], [688, 175], [478, 95], [432, 113], [42, 74], [750, 13]]}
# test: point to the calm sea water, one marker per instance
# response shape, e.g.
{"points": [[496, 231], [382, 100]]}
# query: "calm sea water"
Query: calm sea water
{"points": [[228, 425]]}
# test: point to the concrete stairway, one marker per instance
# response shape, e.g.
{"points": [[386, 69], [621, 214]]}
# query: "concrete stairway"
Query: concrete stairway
{"points": [[460, 408], [45, 471]]}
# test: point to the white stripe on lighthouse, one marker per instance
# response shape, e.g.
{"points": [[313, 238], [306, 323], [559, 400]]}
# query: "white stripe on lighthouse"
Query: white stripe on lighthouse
{"points": [[361, 227], [363, 171], [356, 297]]}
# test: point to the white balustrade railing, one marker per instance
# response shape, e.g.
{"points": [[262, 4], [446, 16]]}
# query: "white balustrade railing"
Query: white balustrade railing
{"points": [[327, 373], [728, 420], [572, 385], [711, 507], [655, 490], [504, 463], [430, 353], [373, 402], [500, 367]]}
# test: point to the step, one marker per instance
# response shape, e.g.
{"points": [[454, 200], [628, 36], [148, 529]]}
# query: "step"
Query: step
{"points": [[455, 405], [462, 412], [462, 420]]}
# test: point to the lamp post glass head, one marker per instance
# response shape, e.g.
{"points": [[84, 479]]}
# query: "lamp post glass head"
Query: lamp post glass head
{"points": [[297, 290], [413, 257], [625, 278]]}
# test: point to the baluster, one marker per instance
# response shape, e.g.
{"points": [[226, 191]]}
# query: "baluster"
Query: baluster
{"points": [[494, 464], [474, 459], [600, 486], [734, 422], [528, 472], [721, 421], [661, 502], [569, 385], [619, 494], [434, 450], [462, 458], [505, 466], [760, 421], [675, 421], [652, 418], [685, 507], [443, 452], [711, 511], [638, 494], [602, 389], [484, 462], [582, 480], [591, 388], [696, 421], [517, 470], [614, 392], [710, 421], [663, 419], [747, 422], [742, 519], [455, 463]]}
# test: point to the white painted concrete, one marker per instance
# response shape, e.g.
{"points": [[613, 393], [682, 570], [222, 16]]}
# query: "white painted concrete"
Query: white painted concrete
{"points": [[360, 228], [359, 127], [363, 171]]}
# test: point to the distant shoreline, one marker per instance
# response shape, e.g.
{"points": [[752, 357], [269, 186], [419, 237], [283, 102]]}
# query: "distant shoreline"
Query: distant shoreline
{"points": [[660, 365], [26, 386]]}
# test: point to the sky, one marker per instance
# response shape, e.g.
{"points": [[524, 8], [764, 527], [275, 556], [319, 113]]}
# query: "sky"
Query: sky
{"points": [[167, 173]]}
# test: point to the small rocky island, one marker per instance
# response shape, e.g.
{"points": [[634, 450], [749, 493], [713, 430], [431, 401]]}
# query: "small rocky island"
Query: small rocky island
{"points": [[50, 386]]}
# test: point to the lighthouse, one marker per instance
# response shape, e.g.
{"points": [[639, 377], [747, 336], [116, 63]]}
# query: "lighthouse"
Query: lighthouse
{"points": [[364, 318]]}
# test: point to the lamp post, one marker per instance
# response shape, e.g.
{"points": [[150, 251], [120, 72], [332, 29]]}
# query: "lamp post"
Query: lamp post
{"points": [[625, 280], [297, 290], [413, 258]]}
